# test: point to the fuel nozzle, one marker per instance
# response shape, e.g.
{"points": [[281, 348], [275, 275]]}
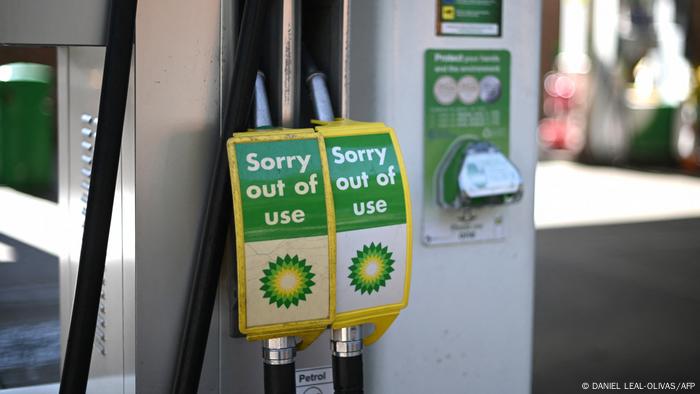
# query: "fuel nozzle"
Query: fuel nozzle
{"points": [[278, 356], [346, 342], [346, 345], [279, 351]]}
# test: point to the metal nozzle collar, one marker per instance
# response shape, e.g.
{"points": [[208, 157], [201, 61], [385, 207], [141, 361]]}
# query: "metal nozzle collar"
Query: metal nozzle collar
{"points": [[346, 342], [279, 351]]}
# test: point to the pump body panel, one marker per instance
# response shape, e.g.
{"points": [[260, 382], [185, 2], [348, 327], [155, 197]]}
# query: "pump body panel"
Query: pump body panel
{"points": [[468, 326]]}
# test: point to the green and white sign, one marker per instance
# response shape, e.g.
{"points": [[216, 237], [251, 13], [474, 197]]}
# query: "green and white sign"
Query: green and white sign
{"points": [[466, 99], [481, 18], [370, 214], [282, 185], [285, 231]]}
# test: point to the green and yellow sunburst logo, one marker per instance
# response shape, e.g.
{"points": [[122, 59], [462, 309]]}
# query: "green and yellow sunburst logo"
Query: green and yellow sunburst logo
{"points": [[287, 281], [371, 269]]}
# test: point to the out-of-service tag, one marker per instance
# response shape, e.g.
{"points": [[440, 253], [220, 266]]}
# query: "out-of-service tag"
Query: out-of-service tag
{"points": [[373, 223], [285, 242]]}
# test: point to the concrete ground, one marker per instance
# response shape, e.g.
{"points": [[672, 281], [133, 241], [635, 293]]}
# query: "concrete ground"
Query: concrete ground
{"points": [[30, 238], [29, 320], [617, 303]]}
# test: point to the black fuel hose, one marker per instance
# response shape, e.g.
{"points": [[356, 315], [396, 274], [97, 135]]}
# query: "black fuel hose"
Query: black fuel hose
{"points": [[308, 65], [279, 379], [347, 375], [217, 215], [98, 216], [346, 345]]}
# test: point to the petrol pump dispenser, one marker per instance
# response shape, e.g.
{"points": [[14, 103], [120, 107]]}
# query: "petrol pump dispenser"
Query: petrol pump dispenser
{"points": [[439, 72]]}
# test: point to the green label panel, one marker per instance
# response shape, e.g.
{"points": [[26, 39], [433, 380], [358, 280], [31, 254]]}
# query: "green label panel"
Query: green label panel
{"points": [[366, 182], [282, 189], [470, 17], [467, 97]]}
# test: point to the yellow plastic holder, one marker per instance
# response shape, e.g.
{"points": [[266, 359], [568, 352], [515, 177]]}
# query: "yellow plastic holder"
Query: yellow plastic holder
{"points": [[373, 224], [285, 234]]}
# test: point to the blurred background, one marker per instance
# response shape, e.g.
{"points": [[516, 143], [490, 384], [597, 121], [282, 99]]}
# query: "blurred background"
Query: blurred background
{"points": [[617, 199], [29, 283]]}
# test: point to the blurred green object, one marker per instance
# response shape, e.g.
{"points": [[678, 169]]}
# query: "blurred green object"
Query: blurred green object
{"points": [[27, 138], [652, 134]]}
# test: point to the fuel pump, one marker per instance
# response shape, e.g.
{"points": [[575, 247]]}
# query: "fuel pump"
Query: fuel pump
{"points": [[340, 175], [166, 297]]}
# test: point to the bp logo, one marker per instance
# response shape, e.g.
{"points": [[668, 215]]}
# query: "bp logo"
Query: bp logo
{"points": [[371, 269], [287, 281]]}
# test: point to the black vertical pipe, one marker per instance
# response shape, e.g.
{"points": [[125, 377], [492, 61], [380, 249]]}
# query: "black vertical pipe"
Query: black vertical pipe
{"points": [[105, 162], [217, 216], [279, 379], [347, 375]]}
